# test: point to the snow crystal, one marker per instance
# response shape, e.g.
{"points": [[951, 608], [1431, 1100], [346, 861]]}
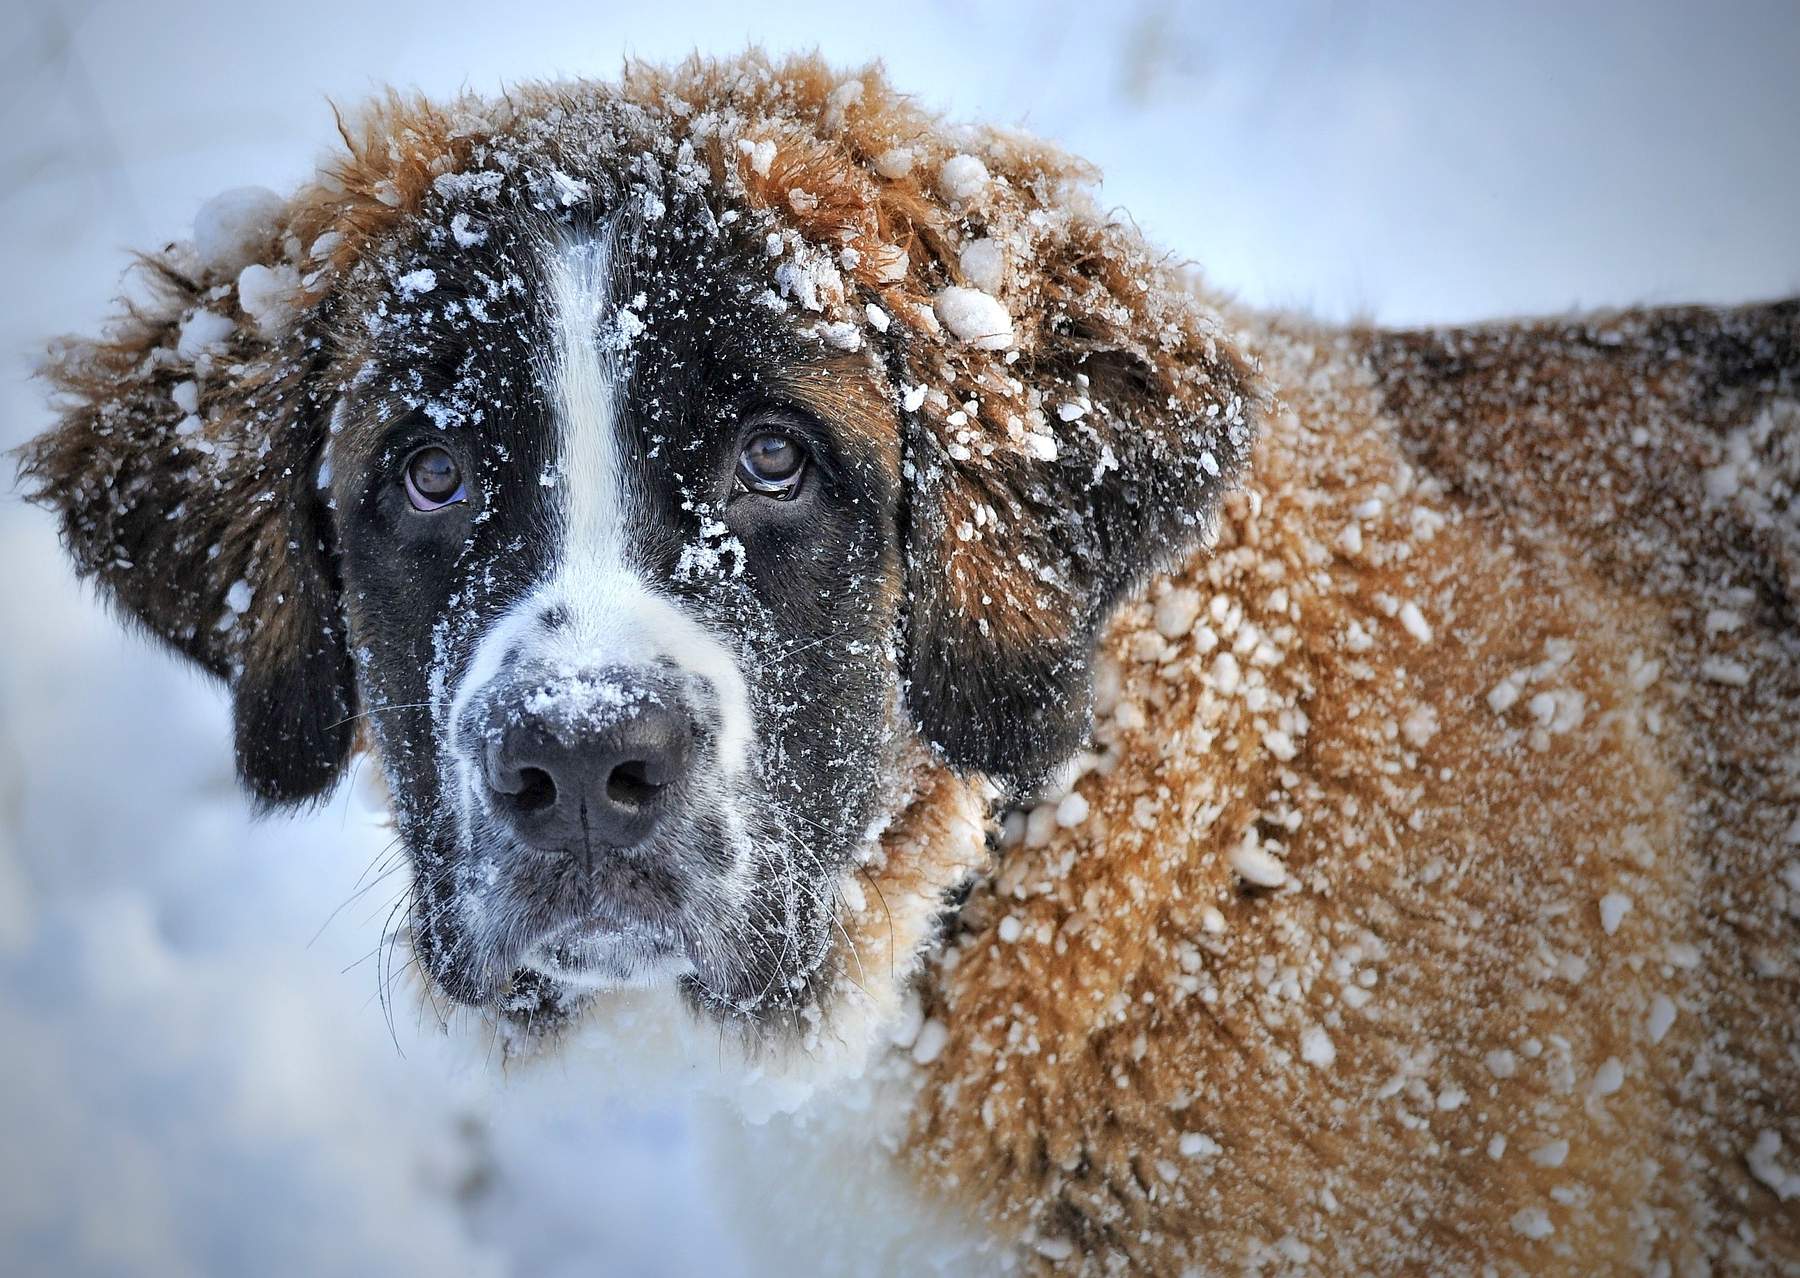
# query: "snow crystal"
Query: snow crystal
{"points": [[465, 232], [1279, 744], [417, 283], [1613, 908], [1212, 921], [1505, 694], [238, 597], [201, 332], [186, 396], [1533, 1223], [1662, 1016], [975, 317], [1010, 928], [842, 335], [1176, 612], [1762, 1160], [1316, 1048], [1254, 865], [983, 264], [1720, 670], [962, 178], [1072, 811], [267, 296], [1197, 1145], [878, 318], [1419, 726], [934, 1035], [894, 163], [760, 154], [1501, 1063], [1415, 622], [911, 397], [234, 228], [569, 190], [1609, 1078], [1552, 1154]]}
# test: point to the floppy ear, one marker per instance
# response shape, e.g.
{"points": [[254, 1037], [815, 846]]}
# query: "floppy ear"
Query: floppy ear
{"points": [[184, 469], [1046, 489]]}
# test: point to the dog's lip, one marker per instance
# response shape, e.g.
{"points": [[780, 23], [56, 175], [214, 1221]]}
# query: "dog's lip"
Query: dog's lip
{"points": [[584, 944]]}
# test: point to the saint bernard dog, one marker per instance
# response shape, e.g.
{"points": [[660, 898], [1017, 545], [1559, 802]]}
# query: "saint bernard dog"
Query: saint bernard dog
{"points": [[1227, 794]]}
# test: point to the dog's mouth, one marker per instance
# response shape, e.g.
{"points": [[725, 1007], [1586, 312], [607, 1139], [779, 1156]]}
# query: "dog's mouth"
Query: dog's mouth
{"points": [[601, 951]]}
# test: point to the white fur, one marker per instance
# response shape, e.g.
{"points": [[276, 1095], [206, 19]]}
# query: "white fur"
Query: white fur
{"points": [[614, 617]]}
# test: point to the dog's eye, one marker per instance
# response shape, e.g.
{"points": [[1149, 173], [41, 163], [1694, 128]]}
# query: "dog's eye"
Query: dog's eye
{"points": [[433, 479], [771, 464]]}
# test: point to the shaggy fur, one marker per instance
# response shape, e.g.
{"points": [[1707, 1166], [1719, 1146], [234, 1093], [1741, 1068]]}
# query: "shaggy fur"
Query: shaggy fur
{"points": [[1424, 894]]}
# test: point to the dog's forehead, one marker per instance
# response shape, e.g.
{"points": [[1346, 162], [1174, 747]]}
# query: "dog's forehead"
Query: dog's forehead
{"points": [[461, 324]]}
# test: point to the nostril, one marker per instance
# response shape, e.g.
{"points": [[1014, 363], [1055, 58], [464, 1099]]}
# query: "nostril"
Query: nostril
{"points": [[629, 784], [537, 790]]}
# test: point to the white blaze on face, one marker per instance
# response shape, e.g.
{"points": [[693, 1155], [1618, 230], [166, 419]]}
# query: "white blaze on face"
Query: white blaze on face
{"points": [[613, 618]]}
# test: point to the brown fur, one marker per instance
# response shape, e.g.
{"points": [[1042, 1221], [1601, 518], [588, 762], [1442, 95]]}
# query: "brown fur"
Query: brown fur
{"points": [[1454, 854]]}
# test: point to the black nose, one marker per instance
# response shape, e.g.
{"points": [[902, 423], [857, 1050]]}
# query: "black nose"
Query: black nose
{"points": [[569, 787]]}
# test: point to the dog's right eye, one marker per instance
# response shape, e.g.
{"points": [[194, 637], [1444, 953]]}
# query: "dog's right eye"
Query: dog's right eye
{"points": [[433, 479]]}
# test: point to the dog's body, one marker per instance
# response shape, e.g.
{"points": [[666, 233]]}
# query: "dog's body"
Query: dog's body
{"points": [[1424, 896]]}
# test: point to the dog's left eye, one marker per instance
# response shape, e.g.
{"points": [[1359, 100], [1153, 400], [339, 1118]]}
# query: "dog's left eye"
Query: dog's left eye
{"points": [[433, 479], [772, 464]]}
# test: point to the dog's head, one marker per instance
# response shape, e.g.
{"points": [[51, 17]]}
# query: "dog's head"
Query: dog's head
{"points": [[650, 470]]}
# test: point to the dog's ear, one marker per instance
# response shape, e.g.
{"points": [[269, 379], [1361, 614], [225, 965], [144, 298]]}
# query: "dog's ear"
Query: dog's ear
{"points": [[1071, 408], [185, 472], [1044, 490]]}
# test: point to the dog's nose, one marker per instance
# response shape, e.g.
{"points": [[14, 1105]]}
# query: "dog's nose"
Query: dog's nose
{"points": [[566, 787]]}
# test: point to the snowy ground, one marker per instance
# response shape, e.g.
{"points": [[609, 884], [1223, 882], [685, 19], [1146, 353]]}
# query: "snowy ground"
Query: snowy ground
{"points": [[195, 1076]]}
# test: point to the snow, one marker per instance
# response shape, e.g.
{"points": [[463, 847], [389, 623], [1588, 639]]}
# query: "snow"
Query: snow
{"points": [[1661, 1017], [894, 163], [934, 1035], [1613, 908], [1414, 622], [203, 332], [1533, 1223], [975, 317], [1317, 1049], [234, 228], [1197, 1145], [416, 283], [1255, 865], [1609, 1078], [160, 1122], [962, 179], [1552, 1154], [983, 264], [1763, 1160], [267, 296]]}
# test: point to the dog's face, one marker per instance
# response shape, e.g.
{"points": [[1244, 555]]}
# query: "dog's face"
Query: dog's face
{"points": [[620, 550], [647, 472]]}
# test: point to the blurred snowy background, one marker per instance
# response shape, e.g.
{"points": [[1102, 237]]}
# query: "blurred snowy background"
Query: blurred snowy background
{"points": [[195, 1075]]}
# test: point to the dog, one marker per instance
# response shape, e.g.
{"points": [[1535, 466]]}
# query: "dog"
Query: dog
{"points": [[1246, 795]]}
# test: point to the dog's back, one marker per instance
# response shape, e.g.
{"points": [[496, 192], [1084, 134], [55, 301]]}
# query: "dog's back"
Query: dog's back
{"points": [[1432, 902]]}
